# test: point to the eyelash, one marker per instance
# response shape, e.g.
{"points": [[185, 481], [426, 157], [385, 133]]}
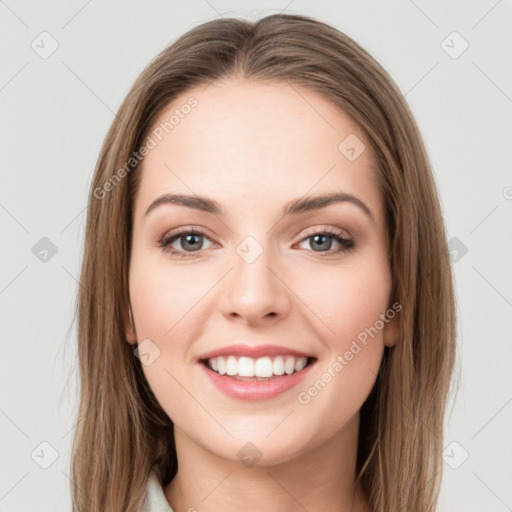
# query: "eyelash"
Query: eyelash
{"points": [[165, 242]]}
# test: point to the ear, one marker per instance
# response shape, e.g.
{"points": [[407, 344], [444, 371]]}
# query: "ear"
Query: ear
{"points": [[390, 332], [131, 335]]}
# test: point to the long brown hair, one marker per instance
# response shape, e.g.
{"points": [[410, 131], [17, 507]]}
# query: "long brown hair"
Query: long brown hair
{"points": [[122, 432]]}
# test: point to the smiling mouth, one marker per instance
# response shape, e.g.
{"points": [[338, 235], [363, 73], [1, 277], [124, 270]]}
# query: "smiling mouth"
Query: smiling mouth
{"points": [[257, 369]]}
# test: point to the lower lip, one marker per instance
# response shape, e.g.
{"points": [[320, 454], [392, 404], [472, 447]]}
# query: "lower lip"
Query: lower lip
{"points": [[256, 390]]}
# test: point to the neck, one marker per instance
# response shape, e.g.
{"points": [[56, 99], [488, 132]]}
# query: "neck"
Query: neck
{"points": [[318, 479]]}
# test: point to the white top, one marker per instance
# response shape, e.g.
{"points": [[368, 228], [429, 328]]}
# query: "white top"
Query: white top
{"points": [[155, 497]]}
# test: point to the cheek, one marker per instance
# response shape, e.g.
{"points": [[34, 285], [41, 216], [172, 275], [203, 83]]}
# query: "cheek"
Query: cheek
{"points": [[350, 304], [348, 299], [164, 303], [163, 295]]}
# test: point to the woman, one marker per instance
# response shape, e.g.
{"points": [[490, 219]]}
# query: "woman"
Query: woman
{"points": [[266, 319]]}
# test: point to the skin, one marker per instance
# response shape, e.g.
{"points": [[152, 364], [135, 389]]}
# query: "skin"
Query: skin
{"points": [[253, 147]]}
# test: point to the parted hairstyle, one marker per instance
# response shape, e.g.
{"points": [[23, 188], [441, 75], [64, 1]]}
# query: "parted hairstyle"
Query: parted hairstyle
{"points": [[122, 432]]}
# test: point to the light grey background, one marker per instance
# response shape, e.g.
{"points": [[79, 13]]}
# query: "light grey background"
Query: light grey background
{"points": [[56, 111]]}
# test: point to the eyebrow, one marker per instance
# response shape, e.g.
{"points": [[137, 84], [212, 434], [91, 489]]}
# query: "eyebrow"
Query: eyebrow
{"points": [[294, 207]]}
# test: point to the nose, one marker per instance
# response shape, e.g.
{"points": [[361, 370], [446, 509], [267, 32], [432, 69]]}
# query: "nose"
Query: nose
{"points": [[254, 292]]}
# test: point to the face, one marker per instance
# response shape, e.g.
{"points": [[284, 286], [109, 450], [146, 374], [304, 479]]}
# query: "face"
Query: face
{"points": [[254, 271]]}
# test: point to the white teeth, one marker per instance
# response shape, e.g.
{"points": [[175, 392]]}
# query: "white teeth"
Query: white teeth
{"points": [[289, 365], [278, 366], [232, 366], [222, 365], [261, 367], [300, 363], [245, 367]]}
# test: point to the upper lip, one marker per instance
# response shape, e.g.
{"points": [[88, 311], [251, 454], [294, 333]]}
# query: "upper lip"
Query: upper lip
{"points": [[253, 351]]}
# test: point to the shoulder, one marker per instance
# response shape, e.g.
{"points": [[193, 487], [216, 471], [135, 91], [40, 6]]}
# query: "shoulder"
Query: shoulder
{"points": [[155, 500]]}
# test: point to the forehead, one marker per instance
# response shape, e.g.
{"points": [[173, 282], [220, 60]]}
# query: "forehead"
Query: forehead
{"points": [[248, 139]]}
